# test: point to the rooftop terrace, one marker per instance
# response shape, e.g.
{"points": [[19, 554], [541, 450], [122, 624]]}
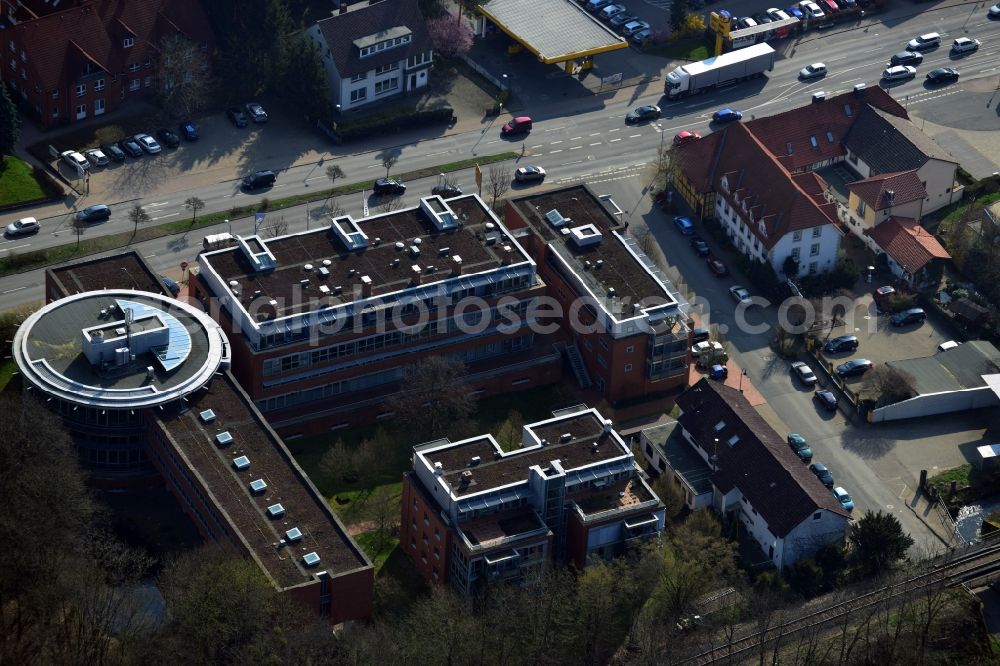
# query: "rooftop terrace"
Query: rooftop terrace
{"points": [[570, 440], [126, 270], [627, 493], [286, 484], [375, 256]]}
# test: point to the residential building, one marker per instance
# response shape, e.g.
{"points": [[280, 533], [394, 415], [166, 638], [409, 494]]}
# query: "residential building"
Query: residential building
{"points": [[475, 512], [668, 452], [755, 477], [327, 324], [141, 382], [907, 248], [68, 63], [625, 326], [373, 50]]}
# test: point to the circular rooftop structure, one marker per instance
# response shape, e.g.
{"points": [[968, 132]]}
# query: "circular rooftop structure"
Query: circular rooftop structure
{"points": [[119, 349]]}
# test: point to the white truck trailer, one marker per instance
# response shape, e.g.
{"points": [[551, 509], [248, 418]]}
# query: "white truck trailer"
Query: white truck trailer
{"points": [[727, 68]]}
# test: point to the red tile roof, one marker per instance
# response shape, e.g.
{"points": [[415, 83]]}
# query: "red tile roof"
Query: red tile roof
{"points": [[789, 135], [905, 186], [909, 244]]}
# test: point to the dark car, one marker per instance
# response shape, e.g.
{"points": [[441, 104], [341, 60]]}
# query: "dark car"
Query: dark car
{"points": [[911, 316], [95, 213], [844, 343], [800, 446], [854, 367], [519, 125], [236, 117], [827, 399], [699, 334], [171, 285], [168, 138], [648, 112], [907, 58], [259, 179], [726, 116], [716, 266], [115, 153], [942, 75], [822, 473], [188, 130], [131, 146], [700, 247], [447, 190], [389, 186], [257, 112]]}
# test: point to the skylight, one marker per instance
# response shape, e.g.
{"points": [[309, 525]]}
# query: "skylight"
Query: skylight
{"points": [[848, 111], [813, 141], [207, 416], [275, 511], [223, 438], [241, 463], [258, 486], [788, 147], [310, 559], [293, 534], [829, 136], [720, 425]]}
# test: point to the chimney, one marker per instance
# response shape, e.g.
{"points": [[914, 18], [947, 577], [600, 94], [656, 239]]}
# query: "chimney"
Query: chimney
{"points": [[456, 264], [890, 197], [607, 426], [819, 97], [416, 274], [366, 286], [343, 7], [508, 254]]}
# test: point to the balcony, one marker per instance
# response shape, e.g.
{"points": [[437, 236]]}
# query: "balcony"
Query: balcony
{"points": [[495, 535]]}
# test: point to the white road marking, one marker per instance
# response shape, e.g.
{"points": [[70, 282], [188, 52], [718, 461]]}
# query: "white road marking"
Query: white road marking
{"points": [[553, 152], [617, 129], [596, 144], [594, 134], [634, 136], [160, 203], [575, 138], [576, 147], [552, 143], [18, 247], [440, 153], [613, 140], [538, 146], [11, 291]]}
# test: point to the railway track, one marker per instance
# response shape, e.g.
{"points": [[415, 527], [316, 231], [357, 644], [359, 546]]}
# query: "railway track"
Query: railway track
{"points": [[953, 569]]}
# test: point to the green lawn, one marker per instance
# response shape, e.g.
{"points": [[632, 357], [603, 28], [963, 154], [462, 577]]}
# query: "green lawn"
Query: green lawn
{"points": [[17, 185], [7, 370], [687, 48], [369, 543]]}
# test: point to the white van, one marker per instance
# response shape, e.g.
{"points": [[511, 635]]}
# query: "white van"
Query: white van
{"points": [[945, 346]]}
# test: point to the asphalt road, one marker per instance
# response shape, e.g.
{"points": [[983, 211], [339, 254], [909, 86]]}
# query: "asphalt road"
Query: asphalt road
{"points": [[593, 144]]}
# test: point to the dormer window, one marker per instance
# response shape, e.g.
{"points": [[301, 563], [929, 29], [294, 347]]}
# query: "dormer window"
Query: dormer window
{"points": [[387, 39], [128, 42]]}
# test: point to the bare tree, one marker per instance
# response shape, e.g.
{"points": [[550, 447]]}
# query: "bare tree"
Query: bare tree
{"points": [[138, 215], [499, 182], [334, 173], [389, 204], [193, 204], [388, 162], [385, 514], [79, 227], [337, 464], [183, 76], [274, 227], [889, 384], [435, 400]]}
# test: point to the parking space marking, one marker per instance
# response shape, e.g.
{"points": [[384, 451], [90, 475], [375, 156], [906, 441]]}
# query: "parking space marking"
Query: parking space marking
{"points": [[553, 152], [616, 129]]}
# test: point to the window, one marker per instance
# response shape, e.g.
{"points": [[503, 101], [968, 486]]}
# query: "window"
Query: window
{"points": [[829, 137], [129, 41], [359, 77], [24, 74], [386, 68], [24, 56], [148, 82], [386, 86], [812, 268], [795, 253], [359, 94], [13, 49], [630, 349], [797, 235], [814, 250], [817, 232], [13, 64], [98, 85], [55, 94], [55, 112], [81, 111], [133, 68], [99, 106], [812, 141], [817, 515], [149, 63], [81, 89], [628, 367], [604, 344], [133, 84], [861, 207]]}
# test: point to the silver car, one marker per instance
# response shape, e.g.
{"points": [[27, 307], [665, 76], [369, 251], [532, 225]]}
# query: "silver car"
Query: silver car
{"points": [[147, 143], [97, 157], [813, 71]]}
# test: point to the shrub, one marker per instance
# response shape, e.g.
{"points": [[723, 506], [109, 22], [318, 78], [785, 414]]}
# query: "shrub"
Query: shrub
{"points": [[392, 121], [49, 184]]}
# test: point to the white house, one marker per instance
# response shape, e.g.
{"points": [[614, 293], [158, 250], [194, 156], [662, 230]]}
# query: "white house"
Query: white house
{"points": [[756, 477], [373, 50]]}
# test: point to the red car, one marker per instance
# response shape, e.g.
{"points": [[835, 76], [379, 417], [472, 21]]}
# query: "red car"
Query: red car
{"points": [[882, 293], [519, 125], [716, 266], [685, 136]]}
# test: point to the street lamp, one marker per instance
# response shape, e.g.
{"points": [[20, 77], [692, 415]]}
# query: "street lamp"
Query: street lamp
{"points": [[503, 86], [743, 373], [230, 227]]}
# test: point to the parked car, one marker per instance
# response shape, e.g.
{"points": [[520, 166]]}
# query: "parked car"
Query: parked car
{"points": [[169, 138], [684, 225], [840, 344], [389, 186], [827, 399], [95, 213], [899, 73], [804, 373], [800, 446], [740, 294], [906, 317], [130, 146], [529, 174], [811, 9], [795, 12], [701, 347], [259, 179], [822, 473], [700, 246], [942, 75], [171, 285], [923, 42], [24, 226], [776, 14], [608, 12], [641, 37], [854, 367], [188, 130], [635, 26], [97, 158], [726, 115], [519, 125], [813, 71], [950, 344], [844, 499], [882, 293], [965, 45], [647, 112], [114, 152], [745, 22], [906, 58], [147, 143], [716, 266], [256, 112], [685, 136], [236, 117], [594, 6], [994, 11], [446, 190], [699, 334], [622, 19], [75, 159]]}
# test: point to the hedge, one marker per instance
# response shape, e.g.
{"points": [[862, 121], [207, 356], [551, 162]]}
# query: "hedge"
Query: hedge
{"points": [[392, 121]]}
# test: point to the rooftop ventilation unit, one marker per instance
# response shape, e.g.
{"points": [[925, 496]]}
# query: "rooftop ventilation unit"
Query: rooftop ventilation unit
{"points": [[224, 438], [438, 469], [323, 271], [255, 250], [258, 486], [440, 213], [376, 241], [599, 263], [565, 437], [241, 463], [443, 251], [275, 511], [490, 226], [327, 262], [466, 478], [307, 267], [475, 461], [414, 251], [859, 89], [611, 292], [890, 196], [293, 535], [310, 559], [323, 289], [818, 97], [555, 218], [586, 235], [207, 416], [399, 245]]}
